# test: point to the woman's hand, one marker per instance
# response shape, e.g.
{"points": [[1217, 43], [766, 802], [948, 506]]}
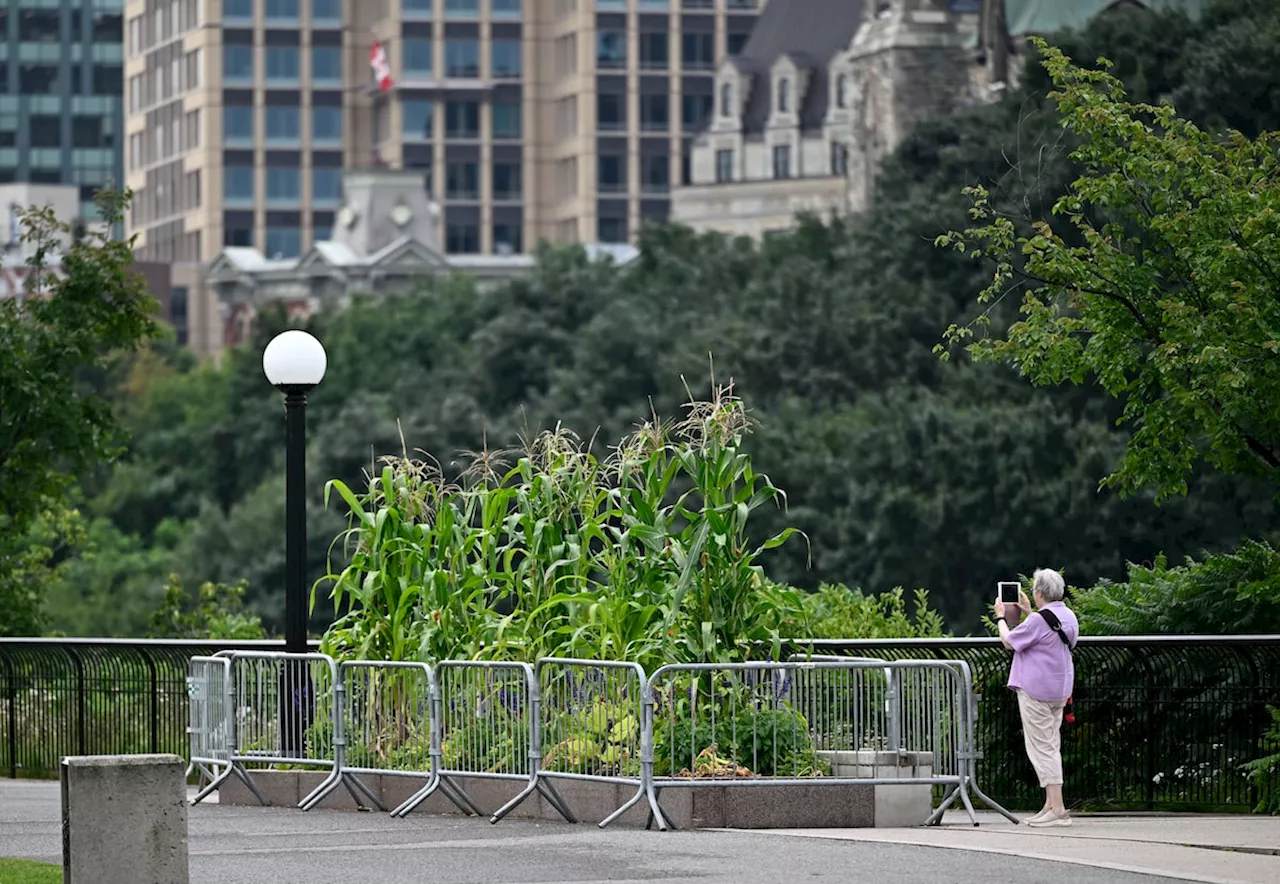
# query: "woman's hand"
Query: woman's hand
{"points": [[999, 608], [1024, 603]]}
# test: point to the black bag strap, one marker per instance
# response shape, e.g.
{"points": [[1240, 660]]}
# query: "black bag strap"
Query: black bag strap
{"points": [[1056, 625]]}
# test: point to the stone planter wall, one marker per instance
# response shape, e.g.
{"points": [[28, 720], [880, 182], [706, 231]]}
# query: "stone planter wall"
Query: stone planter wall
{"points": [[781, 806]]}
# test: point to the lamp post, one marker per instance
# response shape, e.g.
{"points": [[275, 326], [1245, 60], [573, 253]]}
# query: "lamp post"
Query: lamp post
{"points": [[294, 363]]}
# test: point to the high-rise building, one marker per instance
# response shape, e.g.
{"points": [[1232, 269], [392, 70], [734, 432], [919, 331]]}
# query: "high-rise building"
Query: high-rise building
{"points": [[61, 119], [565, 120]]}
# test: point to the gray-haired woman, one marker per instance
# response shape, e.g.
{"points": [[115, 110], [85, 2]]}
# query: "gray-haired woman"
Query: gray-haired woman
{"points": [[1043, 677]]}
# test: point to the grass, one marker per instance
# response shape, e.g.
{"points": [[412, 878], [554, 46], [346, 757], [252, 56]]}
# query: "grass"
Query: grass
{"points": [[24, 871]]}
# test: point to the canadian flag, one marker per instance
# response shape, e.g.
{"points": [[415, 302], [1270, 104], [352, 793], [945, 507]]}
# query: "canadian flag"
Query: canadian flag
{"points": [[381, 70]]}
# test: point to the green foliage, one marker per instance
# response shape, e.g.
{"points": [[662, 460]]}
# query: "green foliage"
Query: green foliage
{"points": [[1162, 290], [599, 738], [1234, 593], [214, 611], [52, 426], [762, 741], [30, 563], [1265, 770], [25, 871], [840, 612], [644, 556]]}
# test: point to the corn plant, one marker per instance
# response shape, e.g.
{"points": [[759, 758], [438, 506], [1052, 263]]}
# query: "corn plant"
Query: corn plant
{"points": [[643, 555]]}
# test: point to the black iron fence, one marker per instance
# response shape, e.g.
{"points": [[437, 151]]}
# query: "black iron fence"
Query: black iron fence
{"points": [[1163, 722]]}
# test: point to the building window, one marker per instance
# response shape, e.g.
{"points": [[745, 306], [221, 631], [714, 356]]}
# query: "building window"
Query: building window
{"points": [[726, 100], [326, 124], [507, 181], [782, 161], [236, 9], [237, 124], [611, 230], [327, 10], [735, 42], [284, 242], [655, 50], [237, 236], [418, 8], [611, 49], [38, 79], [418, 119], [611, 111], [839, 159], [46, 130], [655, 173], [507, 239], [419, 56], [611, 173], [505, 9], [178, 313], [461, 239], [842, 90], [282, 64], [462, 181], [462, 58], [39, 26], [326, 64], [108, 79], [505, 58], [282, 125], [462, 8], [697, 51], [237, 185], [506, 119], [784, 96], [694, 110], [655, 112], [282, 10], [284, 185], [462, 119], [326, 185], [237, 63], [724, 166]]}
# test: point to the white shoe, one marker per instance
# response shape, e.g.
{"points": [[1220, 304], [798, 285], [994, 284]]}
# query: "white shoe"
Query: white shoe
{"points": [[1050, 821], [1029, 820]]}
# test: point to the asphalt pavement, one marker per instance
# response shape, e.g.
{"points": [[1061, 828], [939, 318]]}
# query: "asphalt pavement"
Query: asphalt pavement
{"points": [[231, 845]]}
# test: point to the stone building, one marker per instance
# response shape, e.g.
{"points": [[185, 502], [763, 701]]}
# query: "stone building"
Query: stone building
{"points": [[824, 89]]}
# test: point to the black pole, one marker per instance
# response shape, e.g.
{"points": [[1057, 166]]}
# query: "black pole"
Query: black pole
{"points": [[295, 519], [296, 706]]}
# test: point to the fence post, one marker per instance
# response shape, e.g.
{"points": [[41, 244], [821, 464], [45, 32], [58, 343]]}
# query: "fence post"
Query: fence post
{"points": [[81, 712], [12, 693], [154, 714]]}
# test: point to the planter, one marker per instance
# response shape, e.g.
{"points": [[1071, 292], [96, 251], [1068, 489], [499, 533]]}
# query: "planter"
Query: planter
{"points": [[757, 806]]}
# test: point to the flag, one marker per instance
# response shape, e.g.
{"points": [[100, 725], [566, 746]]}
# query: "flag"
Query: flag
{"points": [[381, 70]]}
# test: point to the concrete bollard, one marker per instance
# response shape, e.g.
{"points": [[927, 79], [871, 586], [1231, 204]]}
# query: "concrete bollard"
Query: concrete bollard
{"points": [[124, 820]]}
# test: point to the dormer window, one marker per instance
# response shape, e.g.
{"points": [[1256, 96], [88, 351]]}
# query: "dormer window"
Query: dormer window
{"points": [[784, 96], [726, 100], [842, 91]]}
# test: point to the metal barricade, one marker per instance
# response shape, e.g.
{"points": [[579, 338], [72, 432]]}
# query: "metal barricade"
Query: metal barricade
{"points": [[820, 721], [486, 720], [285, 712], [209, 730], [387, 726], [593, 725]]}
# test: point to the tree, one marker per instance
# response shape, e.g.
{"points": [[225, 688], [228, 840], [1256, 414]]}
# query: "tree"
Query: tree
{"points": [[1163, 288], [52, 425]]}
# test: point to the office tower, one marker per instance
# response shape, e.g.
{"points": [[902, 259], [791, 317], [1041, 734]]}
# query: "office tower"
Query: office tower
{"points": [[565, 120], [61, 120]]}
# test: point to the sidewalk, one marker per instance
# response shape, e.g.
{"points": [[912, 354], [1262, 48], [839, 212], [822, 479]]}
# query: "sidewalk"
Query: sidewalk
{"points": [[1229, 849]]}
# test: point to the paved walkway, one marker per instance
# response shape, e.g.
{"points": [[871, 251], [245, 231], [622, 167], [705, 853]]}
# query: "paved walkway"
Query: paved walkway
{"points": [[237, 845], [1228, 849]]}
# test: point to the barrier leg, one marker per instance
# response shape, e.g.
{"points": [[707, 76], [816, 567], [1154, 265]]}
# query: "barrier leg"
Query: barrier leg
{"points": [[239, 770], [330, 783], [459, 796], [992, 804], [968, 804], [556, 800], [935, 818], [631, 802], [515, 802], [215, 783], [353, 782], [655, 812]]}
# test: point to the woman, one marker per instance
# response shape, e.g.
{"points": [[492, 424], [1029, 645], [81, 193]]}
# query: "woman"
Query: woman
{"points": [[1043, 677]]}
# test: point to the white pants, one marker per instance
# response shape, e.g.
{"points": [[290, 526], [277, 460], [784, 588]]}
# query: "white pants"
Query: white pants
{"points": [[1042, 730]]}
